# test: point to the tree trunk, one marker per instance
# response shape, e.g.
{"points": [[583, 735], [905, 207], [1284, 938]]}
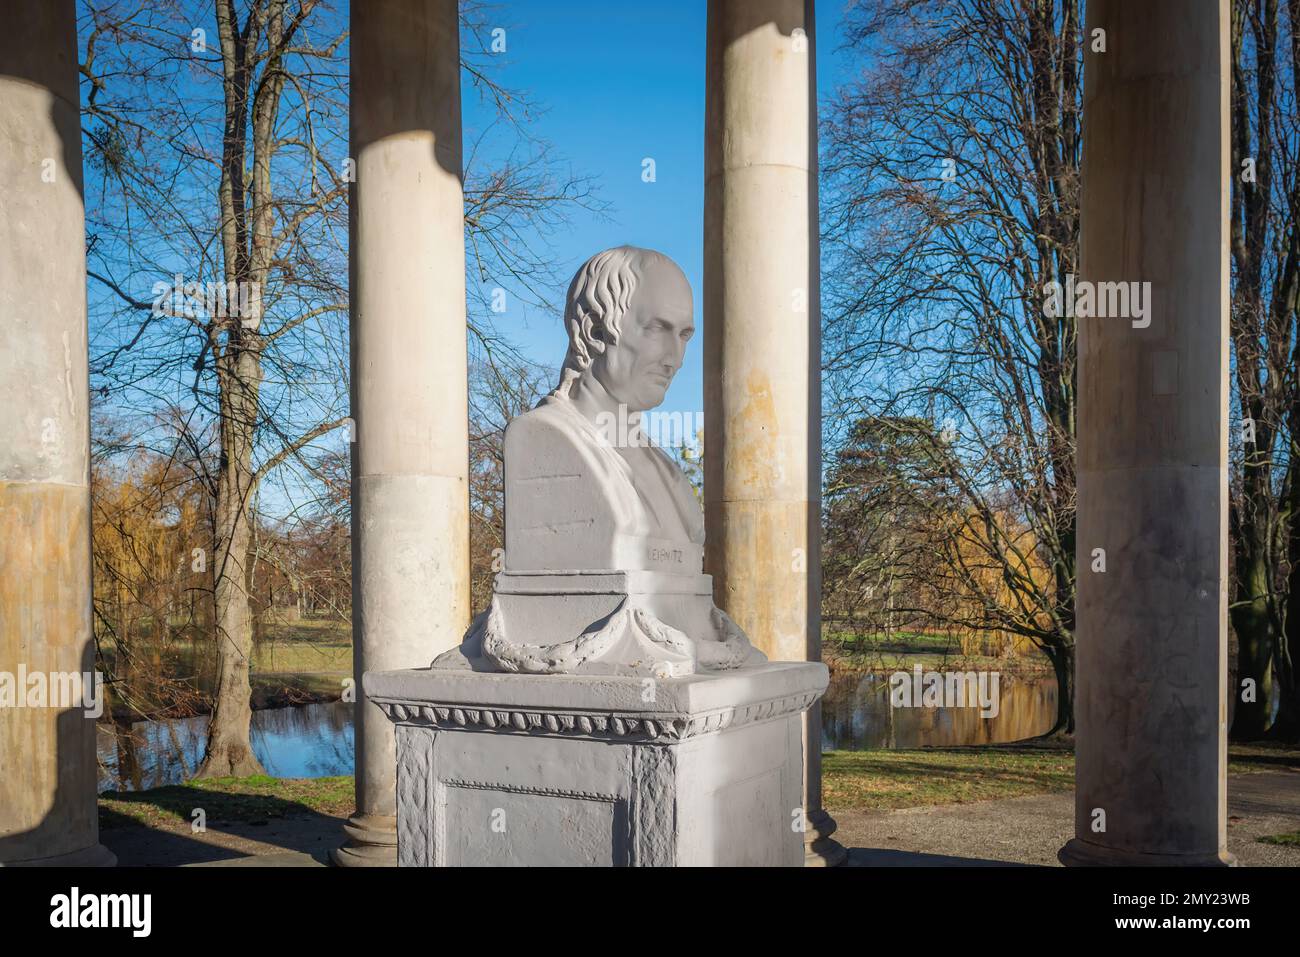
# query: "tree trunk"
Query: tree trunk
{"points": [[1253, 625], [1063, 669], [1062, 658], [229, 751], [1287, 727], [245, 213], [128, 757]]}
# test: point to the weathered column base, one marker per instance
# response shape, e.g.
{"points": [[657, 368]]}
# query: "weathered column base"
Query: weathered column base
{"points": [[509, 769], [819, 848], [1077, 853], [95, 856], [372, 842]]}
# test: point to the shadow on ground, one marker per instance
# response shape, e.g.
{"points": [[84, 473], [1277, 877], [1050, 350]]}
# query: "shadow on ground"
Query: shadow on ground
{"points": [[235, 827], [887, 857]]}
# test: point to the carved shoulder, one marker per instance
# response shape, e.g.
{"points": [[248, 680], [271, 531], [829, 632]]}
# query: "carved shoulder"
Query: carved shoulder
{"points": [[537, 441], [562, 504]]}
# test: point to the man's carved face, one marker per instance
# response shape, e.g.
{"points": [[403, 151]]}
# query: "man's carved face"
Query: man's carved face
{"points": [[652, 337]]}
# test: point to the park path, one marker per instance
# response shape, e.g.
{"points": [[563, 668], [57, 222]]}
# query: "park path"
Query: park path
{"points": [[295, 840], [1030, 830], [1023, 830]]}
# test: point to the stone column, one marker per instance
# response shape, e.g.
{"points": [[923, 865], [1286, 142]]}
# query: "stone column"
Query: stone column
{"points": [[762, 344], [1151, 785], [410, 499], [48, 813]]}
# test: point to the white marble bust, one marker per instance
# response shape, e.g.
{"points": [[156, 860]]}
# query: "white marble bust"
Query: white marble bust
{"points": [[577, 495], [604, 536]]}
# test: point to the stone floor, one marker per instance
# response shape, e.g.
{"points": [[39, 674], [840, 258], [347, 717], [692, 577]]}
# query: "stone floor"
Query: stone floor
{"points": [[1026, 830]]}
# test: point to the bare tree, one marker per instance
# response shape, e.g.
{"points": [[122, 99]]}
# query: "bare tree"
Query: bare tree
{"points": [[222, 159], [1265, 240], [951, 179]]}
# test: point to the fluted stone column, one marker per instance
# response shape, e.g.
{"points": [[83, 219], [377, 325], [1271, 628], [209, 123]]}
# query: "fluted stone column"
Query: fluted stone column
{"points": [[410, 504], [1152, 451], [47, 754], [762, 344]]}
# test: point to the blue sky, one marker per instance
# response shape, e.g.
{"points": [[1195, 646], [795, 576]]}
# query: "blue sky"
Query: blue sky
{"points": [[615, 83], [621, 82]]}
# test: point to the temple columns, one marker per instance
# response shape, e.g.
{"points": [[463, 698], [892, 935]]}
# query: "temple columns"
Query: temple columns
{"points": [[1152, 449], [762, 344], [410, 499], [48, 811]]}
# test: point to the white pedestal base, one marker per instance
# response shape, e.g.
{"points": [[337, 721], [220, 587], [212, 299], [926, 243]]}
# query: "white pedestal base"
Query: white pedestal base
{"points": [[505, 769]]}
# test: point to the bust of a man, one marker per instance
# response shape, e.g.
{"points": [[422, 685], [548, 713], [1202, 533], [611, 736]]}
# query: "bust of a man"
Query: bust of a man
{"points": [[585, 488], [604, 536]]}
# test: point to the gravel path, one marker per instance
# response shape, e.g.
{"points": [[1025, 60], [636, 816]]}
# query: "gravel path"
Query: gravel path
{"points": [[1030, 830]]}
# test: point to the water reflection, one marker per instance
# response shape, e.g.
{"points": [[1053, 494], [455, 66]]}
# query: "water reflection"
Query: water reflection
{"points": [[316, 740], [309, 741], [857, 715]]}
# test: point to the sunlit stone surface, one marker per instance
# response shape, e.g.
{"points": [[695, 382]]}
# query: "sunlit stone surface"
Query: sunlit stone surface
{"points": [[602, 711], [604, 535]]}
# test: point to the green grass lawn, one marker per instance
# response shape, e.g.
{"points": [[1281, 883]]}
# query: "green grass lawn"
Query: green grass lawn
{"points": [[257, 798], [851, 780], [875, 780], [886, 661], [305, 647], [847, 651], [914, 640], [302, 661], [293, 663]]}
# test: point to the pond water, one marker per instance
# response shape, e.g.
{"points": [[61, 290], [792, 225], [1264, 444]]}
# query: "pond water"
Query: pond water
{"points": [[316, 740], [307, 741], [857, 715]]}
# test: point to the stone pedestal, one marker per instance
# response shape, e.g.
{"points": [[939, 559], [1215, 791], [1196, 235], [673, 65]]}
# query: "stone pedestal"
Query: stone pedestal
{"points": [[632, 623], [508, 769]]}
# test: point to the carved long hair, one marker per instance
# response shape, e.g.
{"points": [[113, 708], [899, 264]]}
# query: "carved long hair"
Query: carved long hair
{"points": [[598, 298]]}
